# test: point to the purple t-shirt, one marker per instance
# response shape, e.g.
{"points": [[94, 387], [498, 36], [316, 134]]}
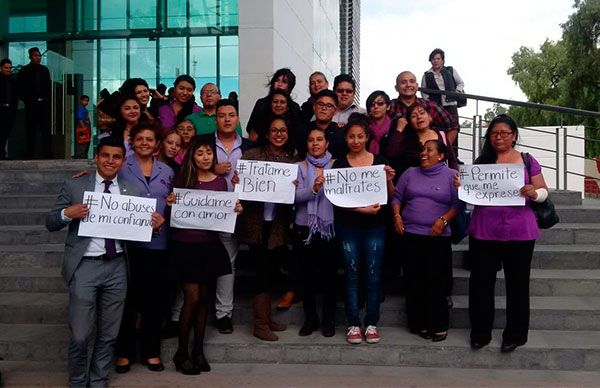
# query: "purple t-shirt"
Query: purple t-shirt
{"points": [[198, 236], [426, 195], [168, 117], [506, 223]]}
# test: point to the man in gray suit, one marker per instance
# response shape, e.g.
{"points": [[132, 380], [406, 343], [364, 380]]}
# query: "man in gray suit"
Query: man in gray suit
{"points": [[95, 269]]}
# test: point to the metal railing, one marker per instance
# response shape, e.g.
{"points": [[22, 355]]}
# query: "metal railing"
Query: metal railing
{"points": [[561, 150]]}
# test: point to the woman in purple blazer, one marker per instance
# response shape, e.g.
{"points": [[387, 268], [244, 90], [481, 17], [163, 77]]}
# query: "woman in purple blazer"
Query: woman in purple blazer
{"points": [[147, 260]]}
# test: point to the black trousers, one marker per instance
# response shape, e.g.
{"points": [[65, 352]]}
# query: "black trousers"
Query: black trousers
{"points": [[37, 121], [318, 264], [486, 258], [7, 120], [426, 306], [147, 296]]}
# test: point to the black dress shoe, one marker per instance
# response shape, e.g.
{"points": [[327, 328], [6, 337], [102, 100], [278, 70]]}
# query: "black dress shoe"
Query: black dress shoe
{"points": [[508, 347], [122, 368], [328, 329], [154, 367], [224, 325], [310, 325], [424, 334], [476, 345], [439, 337], [184, 364], [200, 360]]}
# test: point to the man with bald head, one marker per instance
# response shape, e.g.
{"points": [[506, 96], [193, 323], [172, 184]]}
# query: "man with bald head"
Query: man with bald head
{"points": [[205, 120], [407, 87]]}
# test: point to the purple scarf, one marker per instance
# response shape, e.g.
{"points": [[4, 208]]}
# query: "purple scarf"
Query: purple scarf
{"points": [[320, 210], [377, 132]]}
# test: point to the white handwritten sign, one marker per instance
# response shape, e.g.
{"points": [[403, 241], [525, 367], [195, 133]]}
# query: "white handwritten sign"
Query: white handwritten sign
{"points": [[266, 181], [356, 186], [203, 209], [492, 184], [122, 217]]}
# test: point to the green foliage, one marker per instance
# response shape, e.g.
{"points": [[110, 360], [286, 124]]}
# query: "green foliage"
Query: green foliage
{"points": [[494, 111], [564, 73]]}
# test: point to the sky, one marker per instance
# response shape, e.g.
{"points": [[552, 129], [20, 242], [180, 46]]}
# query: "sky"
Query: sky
{"points": [[477, 36]]}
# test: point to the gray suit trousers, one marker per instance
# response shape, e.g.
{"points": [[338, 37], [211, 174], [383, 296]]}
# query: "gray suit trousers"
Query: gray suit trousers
{"points": [[96, 300]]}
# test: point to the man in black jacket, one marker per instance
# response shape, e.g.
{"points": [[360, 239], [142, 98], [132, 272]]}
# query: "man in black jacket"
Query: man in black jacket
{"points": [[34, 87], [8, 103]]}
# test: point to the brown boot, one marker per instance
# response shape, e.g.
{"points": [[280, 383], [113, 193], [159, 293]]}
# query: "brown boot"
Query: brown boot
{"points": [[262, 309], [275, 326]]}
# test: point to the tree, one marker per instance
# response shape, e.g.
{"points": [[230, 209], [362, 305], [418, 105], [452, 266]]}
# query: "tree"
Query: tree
{"points": [[494, 111], [564, 73]]}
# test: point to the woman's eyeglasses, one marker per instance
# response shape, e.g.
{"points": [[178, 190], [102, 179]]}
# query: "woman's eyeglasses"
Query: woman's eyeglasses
{"points": [[378, 103], [502, 134]]}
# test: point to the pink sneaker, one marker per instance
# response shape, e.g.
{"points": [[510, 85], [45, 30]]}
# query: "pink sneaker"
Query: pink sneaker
{"points": [[372, 335], [354, 335]]}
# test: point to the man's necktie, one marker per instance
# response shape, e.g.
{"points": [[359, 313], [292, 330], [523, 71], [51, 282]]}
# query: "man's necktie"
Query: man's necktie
{"points": [[109, 243]]}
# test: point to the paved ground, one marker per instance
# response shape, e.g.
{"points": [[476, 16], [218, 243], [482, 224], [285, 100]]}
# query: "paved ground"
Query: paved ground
{"points": [[21, 374]]}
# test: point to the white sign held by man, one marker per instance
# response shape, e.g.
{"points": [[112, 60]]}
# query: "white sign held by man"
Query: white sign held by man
{"points": [[266, 181], [492, 184], [122, 217], [203, 209], [356, 186]]}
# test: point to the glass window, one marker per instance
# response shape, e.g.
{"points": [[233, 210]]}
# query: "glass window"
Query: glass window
{"points": [[203, 13], [113, 14], [143, 13], [84, 59], [18, 52], [176, 13], [203, 57], [173, 59], [113, 63], [88, 14], [229, 13], [229, 64], [142, 59], [27, 23]]}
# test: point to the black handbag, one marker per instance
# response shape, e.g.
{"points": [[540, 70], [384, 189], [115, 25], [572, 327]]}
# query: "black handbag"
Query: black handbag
{"points": [[545, 213]]}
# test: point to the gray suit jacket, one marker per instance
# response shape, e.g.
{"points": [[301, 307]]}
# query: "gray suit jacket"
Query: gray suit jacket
{"points": [[72, 193]]}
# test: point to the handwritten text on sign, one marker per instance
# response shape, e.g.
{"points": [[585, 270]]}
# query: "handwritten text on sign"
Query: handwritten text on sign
{"points": [[356, 186], [121, 217], [492, 184], [266, 181], [202, 209]]}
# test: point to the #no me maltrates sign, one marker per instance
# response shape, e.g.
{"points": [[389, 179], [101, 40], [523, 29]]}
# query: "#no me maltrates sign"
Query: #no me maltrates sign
{"points": [[492, 184], [356, 186], [122, 217], [204, 209], [266, 181]]}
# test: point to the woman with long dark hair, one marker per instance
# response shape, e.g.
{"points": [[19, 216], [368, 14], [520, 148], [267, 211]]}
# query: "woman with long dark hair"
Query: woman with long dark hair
{"points": [[183, 104], [503, 237], [199, 256]]}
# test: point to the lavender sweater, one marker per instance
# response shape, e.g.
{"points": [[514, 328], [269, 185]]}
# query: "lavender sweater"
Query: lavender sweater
{"points": [[426, 194]]}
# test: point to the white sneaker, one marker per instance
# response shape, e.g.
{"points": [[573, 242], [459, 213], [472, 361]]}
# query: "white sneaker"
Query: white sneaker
{"points": [[353, 335], [372, 335]]}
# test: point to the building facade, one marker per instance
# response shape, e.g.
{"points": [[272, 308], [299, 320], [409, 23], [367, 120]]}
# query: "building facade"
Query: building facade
{"points": [[235, 44]]}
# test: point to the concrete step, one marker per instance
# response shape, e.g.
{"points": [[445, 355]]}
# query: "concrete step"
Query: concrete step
{"points": [[561, 256], [574, 233], [34, 256], [588, 212], [552, 350], [544, 282], [30, 234], [547, 313], [54, 374], [52, 164], [565, 197], [544, 256], [28, 188], [38, 175], [33, 216], [31, 280], [27, 201]]}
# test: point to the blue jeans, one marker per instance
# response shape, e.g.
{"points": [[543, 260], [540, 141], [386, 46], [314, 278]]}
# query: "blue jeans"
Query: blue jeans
{"points": [[362, 247]]}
